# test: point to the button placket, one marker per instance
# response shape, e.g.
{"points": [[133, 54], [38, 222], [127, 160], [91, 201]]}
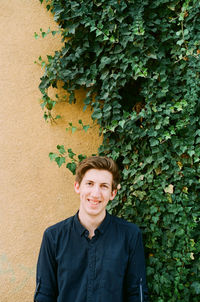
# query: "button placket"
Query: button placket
{"points": [[91, 270]]}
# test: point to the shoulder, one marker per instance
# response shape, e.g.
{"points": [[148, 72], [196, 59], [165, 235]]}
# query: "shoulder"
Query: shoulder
{"points": [[126, 232], [57, 229], [125, 226]]}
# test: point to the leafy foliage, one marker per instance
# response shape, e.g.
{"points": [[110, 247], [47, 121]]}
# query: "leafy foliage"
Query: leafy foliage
{"points": [[139, 62]]}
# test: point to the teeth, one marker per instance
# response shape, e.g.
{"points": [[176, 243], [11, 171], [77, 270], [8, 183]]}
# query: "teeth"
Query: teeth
{"points": [[93, 202]]}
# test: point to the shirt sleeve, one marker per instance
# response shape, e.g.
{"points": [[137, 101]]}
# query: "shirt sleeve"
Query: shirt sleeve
{"points": [[135, 279], [46, 280]]}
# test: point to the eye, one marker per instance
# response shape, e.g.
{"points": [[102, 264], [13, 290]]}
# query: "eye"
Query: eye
{"points": [[105, 186], [89, 183]]}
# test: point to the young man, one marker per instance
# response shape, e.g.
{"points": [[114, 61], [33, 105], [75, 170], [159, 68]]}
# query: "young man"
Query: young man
{"points": [[92, 256]]}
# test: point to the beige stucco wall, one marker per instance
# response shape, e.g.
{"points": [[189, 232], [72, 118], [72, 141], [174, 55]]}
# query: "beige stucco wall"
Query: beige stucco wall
{"points": [[35, 193]]}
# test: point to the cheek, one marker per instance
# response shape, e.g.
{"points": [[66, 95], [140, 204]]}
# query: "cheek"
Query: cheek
{"points": [[107, 196], [84, 193]]}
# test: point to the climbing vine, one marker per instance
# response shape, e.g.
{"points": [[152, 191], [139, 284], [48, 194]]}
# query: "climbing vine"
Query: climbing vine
{"points": [[139, 63]]}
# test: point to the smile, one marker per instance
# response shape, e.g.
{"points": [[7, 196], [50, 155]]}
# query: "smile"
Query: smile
{"points": [[93, 202]]}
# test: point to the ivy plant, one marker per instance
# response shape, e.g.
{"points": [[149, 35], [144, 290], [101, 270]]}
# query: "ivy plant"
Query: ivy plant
{"points": [[139, 64]]}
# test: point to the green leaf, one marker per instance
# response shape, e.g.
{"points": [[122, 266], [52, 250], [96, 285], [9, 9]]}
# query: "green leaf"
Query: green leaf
{"points": [[121, 123], [154, 142], [126, 161], [36, 35], [84, 108], [112, 39], [81, 157], [180, 42], [97, 114], [196, 286], [155, 219], [87, 100], [52, 156], [105, 61], [73, 128], [86, 127], [72, 167], [44, 34], [60, 161], [61, 149], [71, 154], [72, 98], [54, 32]]}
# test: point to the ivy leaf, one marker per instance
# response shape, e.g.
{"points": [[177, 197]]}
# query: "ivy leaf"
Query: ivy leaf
{"points": [[180, 42], [86, 127], [153, 142], [71, 167], [73, 128], [196, 286], [71, 154], [54, 32], [81, 157], [60, 161], [52, 156], [61, 149], [121, 123], [97, 114], [36, 35], [87, 100]]}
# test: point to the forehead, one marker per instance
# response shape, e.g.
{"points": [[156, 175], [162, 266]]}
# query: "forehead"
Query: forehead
{"points": [[99, 176]]}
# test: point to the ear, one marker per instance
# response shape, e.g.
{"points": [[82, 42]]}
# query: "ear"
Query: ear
{"points": [[113, 194], [77, 187]]}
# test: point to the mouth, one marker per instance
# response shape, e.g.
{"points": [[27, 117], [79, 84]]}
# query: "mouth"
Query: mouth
{"points": [[93, 202]]}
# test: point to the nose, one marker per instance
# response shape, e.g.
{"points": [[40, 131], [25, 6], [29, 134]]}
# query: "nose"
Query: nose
{"points": [[96, 191]]}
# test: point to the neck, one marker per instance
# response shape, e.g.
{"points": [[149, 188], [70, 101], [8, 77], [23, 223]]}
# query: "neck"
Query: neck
{"points": [[91, 223]]}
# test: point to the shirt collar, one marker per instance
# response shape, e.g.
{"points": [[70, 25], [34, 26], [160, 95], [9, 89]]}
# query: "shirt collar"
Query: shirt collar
{"points": [[102, 228], [80, 228]]}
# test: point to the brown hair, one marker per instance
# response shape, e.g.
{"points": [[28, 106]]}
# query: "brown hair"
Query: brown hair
{"points": [[99, 163]]}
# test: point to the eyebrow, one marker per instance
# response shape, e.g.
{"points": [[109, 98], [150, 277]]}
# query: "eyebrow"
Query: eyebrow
{"points": [[103, 183]]}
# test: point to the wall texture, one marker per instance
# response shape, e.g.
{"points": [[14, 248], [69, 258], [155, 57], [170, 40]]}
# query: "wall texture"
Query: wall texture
{"points": [[35, 193]]}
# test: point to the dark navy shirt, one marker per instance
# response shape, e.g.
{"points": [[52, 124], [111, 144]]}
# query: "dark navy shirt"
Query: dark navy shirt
{"points": [[110, 267]]}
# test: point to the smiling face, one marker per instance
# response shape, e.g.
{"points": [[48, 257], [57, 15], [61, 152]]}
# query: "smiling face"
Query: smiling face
{"points": [[95, 192]]}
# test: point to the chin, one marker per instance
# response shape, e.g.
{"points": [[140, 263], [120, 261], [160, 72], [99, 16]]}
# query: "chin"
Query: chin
{"points": [[94, 212]]}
